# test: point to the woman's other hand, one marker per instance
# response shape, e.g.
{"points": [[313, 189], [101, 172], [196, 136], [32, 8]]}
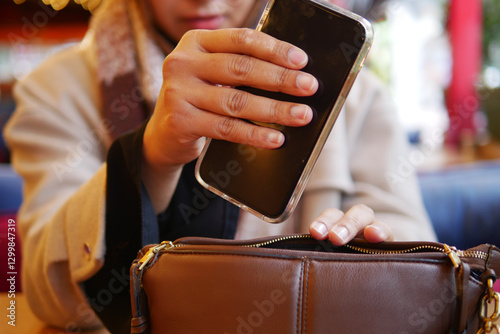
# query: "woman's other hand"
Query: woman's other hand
{"points": [[340, 227]]}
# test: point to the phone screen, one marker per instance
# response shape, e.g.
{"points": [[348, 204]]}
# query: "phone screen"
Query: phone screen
{"points": [[266, 180]]}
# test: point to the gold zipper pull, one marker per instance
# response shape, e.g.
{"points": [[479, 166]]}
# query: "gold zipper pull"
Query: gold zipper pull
{"points": [[152, 252], [146, 258], [452, 254]]}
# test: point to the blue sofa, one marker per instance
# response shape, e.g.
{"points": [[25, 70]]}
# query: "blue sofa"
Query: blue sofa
{"points": [[10, 189], [10, 199], [463, 202]]}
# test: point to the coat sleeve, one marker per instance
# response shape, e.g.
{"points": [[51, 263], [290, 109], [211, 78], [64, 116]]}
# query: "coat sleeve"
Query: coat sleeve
{"points": [[73, 183], [85, 212], [58, 146], [378, 162]]}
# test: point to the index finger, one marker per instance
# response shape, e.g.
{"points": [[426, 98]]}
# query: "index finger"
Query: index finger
{"points": [[253, 43]]}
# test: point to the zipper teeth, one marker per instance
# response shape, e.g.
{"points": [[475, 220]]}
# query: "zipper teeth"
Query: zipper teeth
{"points": [[269, 242], [401, 251], [358, 249], [464, 254], [473, 254], [460, 253], [260, 244]]}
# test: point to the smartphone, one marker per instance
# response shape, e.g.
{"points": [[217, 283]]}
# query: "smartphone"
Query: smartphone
{"points": [[269, 183]]}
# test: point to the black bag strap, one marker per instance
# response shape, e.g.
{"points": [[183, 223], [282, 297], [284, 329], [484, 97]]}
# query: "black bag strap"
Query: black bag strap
{"points": [[140, 321]]}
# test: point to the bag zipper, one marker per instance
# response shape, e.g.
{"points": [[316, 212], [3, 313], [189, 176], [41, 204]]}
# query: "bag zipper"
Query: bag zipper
{"points": [[453, 253], [152, 252]]}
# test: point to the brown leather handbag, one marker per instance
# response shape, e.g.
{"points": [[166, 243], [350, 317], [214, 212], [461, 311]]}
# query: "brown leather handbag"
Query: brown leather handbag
{"points": [[295, 284]]}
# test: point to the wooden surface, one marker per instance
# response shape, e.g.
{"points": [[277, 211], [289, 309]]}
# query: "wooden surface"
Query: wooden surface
{"points": [[26, 322]]}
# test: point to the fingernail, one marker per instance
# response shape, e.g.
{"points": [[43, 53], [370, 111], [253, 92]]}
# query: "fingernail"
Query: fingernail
{"points": [[306, 82], [300, 112], [297, 57], [276, 138], [380, 231], [320, 228], [341, 232]]}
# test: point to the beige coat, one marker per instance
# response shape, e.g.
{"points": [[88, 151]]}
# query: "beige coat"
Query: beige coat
{"points": [[59, 146]]}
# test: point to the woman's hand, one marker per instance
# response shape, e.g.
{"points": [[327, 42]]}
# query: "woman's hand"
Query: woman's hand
{"points": [[342, 227], [197, 99]]}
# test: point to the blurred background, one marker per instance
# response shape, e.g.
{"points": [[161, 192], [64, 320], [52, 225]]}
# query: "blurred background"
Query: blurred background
{"points": [[439, 58]]}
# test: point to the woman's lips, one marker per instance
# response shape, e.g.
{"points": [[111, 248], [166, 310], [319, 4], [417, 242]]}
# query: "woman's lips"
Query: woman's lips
{"points": [[205, 22]]}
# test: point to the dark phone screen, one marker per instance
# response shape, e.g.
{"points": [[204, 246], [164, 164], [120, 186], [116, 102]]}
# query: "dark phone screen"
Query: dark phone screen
{"points": [[264, 180]]}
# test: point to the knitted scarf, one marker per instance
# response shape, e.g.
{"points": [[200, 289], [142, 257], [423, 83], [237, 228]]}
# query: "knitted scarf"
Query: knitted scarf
{"points": [[130, 54], [129, 57]]}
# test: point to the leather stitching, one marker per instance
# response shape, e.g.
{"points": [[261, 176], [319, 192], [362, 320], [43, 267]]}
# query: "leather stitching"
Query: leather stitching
{"points": [[299, 299], [306, 298]]}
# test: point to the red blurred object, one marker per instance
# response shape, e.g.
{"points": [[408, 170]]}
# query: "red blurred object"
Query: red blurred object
{"points": [[465, 31]]}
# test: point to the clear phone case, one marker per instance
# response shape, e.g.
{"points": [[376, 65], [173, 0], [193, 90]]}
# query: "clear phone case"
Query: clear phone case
{"points": [[269, 183]]}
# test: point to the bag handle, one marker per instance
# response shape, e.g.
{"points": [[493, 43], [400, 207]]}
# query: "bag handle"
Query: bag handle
{"points": [[490, 298]]}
